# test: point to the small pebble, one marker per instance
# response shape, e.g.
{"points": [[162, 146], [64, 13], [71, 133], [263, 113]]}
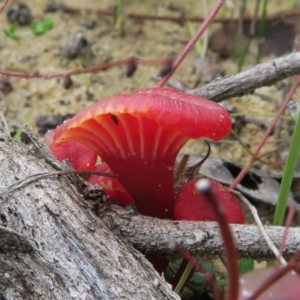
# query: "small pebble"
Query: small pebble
{"points": [[74, 45], [47, 122], [67, 83], [5, 86], [89, 24], [19, 13]]}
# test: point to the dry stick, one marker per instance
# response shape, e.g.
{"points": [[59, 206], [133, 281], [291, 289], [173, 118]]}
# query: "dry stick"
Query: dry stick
{"points": [[245, 82], [201, 239], [203, 186], [97, 69], [253, 210], [28, 179], [266, 135], [237, 85], [4, 123], [191, 43]]}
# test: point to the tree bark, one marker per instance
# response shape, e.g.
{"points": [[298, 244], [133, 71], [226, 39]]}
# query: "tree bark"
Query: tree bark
{"points": [[52, 245]]}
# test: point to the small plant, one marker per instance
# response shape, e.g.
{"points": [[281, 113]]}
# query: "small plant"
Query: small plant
{"points": [[37, 28], [11, 32], [42, 27]]}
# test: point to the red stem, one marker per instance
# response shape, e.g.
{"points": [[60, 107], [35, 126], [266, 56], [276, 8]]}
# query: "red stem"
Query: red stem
{"points": [[207, 275], [191, 43], [207, 190], [3, 5], [288, 222], [266, 135], [119, 63]]}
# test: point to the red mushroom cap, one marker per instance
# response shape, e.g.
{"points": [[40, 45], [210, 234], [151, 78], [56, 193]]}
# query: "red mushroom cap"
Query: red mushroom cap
{"points": [[191, 205], [80, 156], [112, 186], [139, 135]]}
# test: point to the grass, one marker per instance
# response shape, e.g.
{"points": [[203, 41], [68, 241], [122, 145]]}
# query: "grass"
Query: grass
{"points": [[288, 175]]}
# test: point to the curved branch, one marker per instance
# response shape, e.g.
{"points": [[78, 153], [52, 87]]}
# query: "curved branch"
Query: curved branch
{"points": [[245, 82]]}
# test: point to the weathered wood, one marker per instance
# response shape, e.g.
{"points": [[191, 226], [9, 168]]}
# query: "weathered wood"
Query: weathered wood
{"points": [[242, 83], [53, 247], [201, 239]]}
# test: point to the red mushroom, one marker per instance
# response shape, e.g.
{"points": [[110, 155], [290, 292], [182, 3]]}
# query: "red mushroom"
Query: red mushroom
{"points": [[112, 186], [190, 205], [139, 135], [80, 156]]}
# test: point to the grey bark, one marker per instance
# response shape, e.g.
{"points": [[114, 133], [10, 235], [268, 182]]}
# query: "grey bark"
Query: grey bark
{"points": [[201, 239], [53, 247], [245, 82]]}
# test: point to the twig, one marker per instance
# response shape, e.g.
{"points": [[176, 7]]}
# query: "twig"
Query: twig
{"points": [[20, 183], [202, 239], [3, 5], [266, 135], [191, 42], [96, 69], [4, 123], [254, 213], [245, 82]]}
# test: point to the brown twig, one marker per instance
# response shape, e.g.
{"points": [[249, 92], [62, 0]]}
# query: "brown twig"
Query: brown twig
{"points": [[91, 70], [266, 135], [191, 42]]}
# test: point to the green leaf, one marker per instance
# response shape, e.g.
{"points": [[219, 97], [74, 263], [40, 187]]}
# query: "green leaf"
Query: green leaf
{"points": [[246, 266], [11, 32], [39, 28]]}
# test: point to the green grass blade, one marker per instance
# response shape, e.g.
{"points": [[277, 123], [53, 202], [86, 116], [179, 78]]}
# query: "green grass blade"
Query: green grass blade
{"points": [[288, 175]]}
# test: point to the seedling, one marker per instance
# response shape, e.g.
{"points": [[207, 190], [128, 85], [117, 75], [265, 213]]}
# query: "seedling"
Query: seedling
{"points": [[11, 32], [39, 28]]}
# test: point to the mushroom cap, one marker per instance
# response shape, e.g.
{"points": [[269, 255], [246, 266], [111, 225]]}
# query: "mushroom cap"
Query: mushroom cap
{"points": [[190, 205], [192, 116], [139, 135], [80, 156], [112, 186]]}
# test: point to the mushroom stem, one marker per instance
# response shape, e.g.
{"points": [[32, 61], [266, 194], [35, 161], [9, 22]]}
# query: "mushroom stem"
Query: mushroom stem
{"points": [[150, 183]]}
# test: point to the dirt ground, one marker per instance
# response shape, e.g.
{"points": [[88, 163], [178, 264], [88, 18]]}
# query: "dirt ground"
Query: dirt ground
{"points": [[28, 99]]}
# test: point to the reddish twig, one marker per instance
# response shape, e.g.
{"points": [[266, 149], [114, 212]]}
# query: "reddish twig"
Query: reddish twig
{"points": [[266, 135], [207, 275], [191, 43], [204, 186], [288, 222], [91, 70], [3, 5]]}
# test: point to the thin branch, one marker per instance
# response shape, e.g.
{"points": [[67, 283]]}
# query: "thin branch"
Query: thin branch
{"points": [[31, 178], [191, 42], [91, 70], [254, 213], [3, 5], [203, 239], [245, 82]]}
